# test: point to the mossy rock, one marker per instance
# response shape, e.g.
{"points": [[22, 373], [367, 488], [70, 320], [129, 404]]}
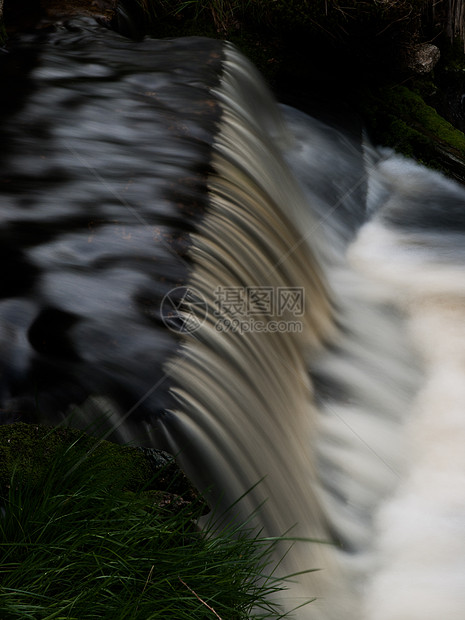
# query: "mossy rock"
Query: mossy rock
{"points": [[28, 452], [399, 117]]}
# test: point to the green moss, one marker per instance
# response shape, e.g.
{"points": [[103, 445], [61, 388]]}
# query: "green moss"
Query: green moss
{"points": [[399, 117], [30, 448], [27, 451]]}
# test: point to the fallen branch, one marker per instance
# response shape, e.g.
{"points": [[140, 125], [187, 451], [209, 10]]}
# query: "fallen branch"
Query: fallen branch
{"points": [[198, 597]]}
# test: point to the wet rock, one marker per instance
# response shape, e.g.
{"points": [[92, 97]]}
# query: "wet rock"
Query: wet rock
{"points": [[423, 58]]}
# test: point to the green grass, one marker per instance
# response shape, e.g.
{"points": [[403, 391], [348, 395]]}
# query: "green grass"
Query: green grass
{"points": [[75, 544]]}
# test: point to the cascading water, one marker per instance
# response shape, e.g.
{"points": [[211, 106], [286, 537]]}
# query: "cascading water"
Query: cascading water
{"points": [[271, 298]]}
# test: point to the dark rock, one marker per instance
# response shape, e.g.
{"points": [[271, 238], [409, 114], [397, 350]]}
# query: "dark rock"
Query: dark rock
{"points": [[423, 58]]}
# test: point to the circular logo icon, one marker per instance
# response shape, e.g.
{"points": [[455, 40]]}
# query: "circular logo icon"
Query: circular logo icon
{"points": [[183, 309]]}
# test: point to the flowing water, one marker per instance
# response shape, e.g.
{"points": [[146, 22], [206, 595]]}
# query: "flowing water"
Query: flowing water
{"points": [[269, 297]]}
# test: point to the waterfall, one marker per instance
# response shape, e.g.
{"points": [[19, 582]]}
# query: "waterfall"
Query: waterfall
{"points": [[272, 298], [325, 419]]}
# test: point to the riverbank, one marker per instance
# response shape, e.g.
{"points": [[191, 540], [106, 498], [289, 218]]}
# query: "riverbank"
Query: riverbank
{"points": [[89, 529]]}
